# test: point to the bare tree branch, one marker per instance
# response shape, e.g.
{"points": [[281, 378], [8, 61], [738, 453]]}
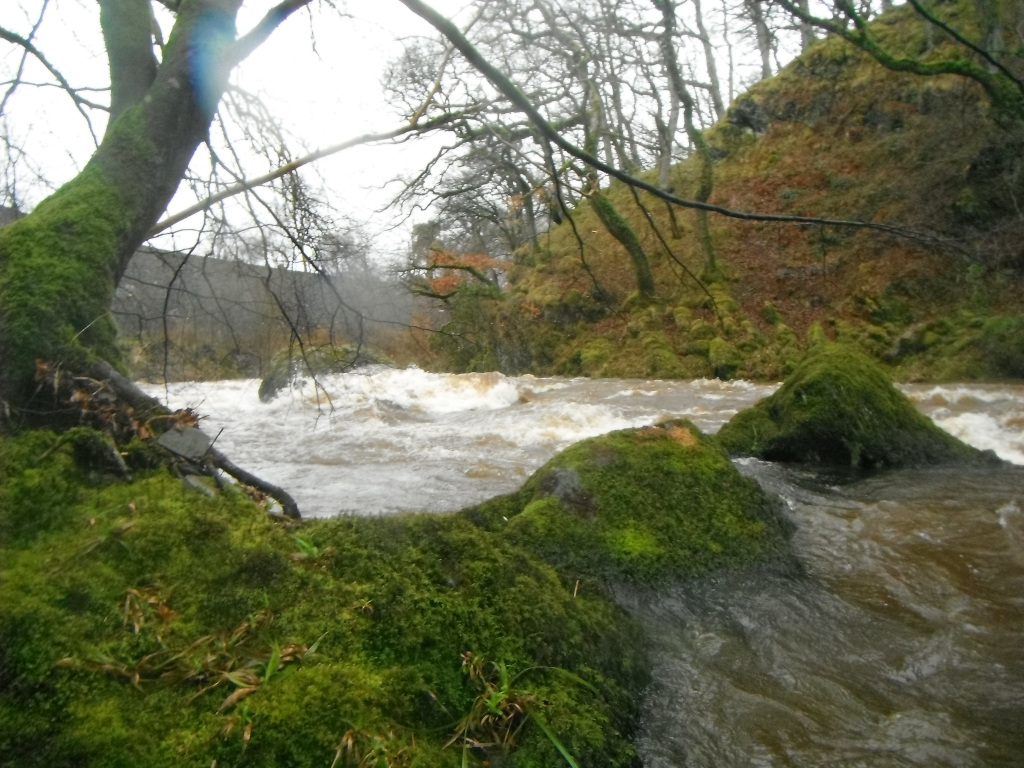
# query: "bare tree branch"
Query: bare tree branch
{"points": [[30, 48], [513, 94], [24, 58], [284, 170], [258, 35]]}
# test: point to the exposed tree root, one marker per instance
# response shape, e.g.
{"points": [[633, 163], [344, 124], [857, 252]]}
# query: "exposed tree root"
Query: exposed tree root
{"points": [[106, 400]]}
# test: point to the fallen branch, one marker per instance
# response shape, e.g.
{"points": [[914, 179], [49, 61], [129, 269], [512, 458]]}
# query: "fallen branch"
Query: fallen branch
{"points": [[149, 407]]}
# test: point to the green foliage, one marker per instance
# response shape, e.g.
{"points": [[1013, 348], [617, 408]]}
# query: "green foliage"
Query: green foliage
{"points": [[144, 625], [839, 408], [644, 504]]}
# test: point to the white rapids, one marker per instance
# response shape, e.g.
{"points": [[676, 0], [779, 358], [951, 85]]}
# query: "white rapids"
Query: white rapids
{"points": [[384, 440]]}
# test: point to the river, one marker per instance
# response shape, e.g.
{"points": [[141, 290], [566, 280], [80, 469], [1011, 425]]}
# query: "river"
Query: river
{"points": [[897, 639]]}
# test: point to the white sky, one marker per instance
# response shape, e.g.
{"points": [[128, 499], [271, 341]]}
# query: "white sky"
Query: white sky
{"points": [[342, 96], [323, 96]]}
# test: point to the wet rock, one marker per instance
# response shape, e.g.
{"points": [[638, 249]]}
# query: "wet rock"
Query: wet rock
{"points": [[565, 485], [748, 114], [839, 408], [186, 442]]}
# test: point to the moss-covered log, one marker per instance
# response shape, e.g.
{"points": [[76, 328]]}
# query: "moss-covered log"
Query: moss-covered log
{"points": [[839, 408]]}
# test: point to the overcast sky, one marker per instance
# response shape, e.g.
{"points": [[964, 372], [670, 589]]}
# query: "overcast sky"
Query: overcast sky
{"points": [[324, 93]]}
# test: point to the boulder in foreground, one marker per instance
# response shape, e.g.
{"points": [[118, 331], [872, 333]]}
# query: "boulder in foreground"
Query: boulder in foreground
{"points": [[838, 408]]}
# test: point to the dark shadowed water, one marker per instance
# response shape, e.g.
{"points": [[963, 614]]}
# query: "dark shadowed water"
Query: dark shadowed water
{"points": [[897, 640], [895, 637]]}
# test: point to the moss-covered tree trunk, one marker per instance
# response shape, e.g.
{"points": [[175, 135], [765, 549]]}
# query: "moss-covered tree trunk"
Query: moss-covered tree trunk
{"points": [[619, 228], [59, 265]]}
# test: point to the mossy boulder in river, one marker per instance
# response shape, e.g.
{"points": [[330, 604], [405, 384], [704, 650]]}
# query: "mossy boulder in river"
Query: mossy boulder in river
{"points": [[839, 408], [641, 505], [317, 361]]}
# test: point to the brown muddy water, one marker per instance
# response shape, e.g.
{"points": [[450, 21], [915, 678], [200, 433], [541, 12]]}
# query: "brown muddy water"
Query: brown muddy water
{"points": [[898, 640]]}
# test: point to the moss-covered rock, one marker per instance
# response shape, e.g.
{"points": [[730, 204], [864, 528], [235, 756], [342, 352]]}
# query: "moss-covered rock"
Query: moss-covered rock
{"points": [[141, 625], [840, 408], [724, 358], [639, 504], [293, 364]]}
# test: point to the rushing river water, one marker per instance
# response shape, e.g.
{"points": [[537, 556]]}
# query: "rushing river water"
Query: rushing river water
{"points": [[896, 639]]}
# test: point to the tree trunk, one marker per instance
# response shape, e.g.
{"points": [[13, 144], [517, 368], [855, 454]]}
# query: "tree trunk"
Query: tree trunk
{"points": [[59, 265], [619, 228], [755, 12], [678, 92], [806, 30], [710, 60]]}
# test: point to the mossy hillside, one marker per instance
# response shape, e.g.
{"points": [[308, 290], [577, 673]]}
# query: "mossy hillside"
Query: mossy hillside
{"points": [[840, 408], [143, 624], [836, 135], [644, 505]]}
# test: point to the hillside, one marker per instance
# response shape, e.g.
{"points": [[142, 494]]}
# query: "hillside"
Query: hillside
{"points": [[833, 135]]}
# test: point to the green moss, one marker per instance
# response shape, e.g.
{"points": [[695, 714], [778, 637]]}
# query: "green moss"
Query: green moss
{"points": [[693, 366], [662, 361], [594, 355], [682, 316], [1000, 346], [700, 329], [725, 359], [816, 335], [57, 269], [839, 408], [645, 505], [123, 606], [620, 229]]}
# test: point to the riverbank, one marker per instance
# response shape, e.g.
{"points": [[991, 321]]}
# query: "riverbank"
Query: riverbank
{"points": [[935, 296]]}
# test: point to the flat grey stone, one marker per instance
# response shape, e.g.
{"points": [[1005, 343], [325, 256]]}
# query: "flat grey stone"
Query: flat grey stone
{"points": [[187, 442]]}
